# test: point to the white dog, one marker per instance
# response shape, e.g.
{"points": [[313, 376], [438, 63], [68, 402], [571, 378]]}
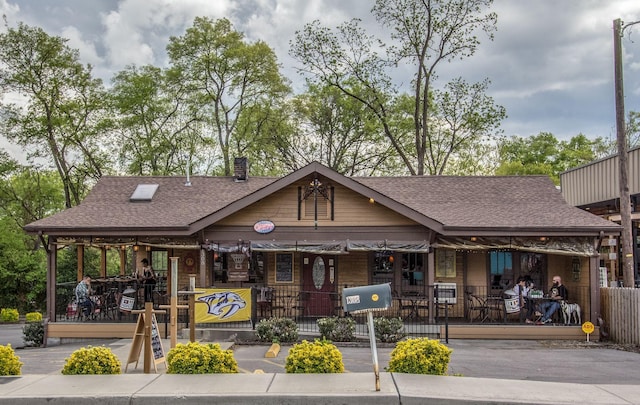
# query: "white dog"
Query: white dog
{"points": [[570, 312]]}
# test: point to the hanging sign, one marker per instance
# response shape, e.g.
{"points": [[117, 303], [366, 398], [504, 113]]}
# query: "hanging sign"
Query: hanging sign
{"points": [[264, 226]]}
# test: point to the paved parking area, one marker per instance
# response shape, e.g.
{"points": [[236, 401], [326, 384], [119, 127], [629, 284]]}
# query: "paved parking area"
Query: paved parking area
{"points": [[584, 363]]}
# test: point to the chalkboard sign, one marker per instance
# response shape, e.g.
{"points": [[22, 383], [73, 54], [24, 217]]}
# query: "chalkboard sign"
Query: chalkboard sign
{"points": [[284, 267], [156, 343]]}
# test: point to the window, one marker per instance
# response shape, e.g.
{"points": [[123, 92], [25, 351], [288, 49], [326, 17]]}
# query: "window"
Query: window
{"points": [[445, 263], [160, 263], [501, 266]]}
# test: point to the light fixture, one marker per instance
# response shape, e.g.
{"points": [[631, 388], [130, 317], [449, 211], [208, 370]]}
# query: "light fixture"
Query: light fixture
{"points": [[473, 239], [148, 248], [543, 238], [371, 200], [135, 248]]}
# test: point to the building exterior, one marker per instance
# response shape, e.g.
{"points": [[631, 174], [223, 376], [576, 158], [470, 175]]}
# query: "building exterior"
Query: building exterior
{"points": [[313, 232], [594, 187]]}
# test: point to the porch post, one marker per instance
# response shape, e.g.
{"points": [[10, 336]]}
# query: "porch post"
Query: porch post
{"points": [[52, 259], [203, 268], [431, 279], [594, 289], [80, 264]]}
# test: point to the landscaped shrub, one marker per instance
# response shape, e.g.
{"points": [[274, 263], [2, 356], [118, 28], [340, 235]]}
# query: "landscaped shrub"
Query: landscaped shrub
{"points": [[337, 329], [420, 356], [92, 360], [277, 330], [10, 364], [388, 330], [319, 356], [9, 315], [33, 333], [33, 317], [197, 358]]}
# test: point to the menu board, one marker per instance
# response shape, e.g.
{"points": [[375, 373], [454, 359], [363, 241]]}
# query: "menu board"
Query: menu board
{"points": [[156, 343], [284, 267]]}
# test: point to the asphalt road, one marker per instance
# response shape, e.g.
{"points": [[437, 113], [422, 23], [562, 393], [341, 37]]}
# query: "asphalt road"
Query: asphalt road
{"points": [[575, 362]]}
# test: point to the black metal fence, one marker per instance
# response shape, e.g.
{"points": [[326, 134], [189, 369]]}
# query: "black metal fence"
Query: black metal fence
{"points": [[423, 309]]}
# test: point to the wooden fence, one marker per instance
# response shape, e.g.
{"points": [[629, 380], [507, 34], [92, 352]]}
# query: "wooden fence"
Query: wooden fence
{"points": [[620, 308]]}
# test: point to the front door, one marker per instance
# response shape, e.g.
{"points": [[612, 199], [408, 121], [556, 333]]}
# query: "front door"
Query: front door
{"points": [[319, 284]]}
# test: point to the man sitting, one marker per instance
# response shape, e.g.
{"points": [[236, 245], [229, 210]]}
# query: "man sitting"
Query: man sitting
{"points": [[557, 293], [83, 290]]}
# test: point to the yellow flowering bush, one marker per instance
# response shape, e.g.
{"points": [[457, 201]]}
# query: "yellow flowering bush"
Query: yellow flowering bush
{"points": [[319, 356], [33, 317], [92, 360], [9, 315], [420, 356], [197, 358], [10, 364]]}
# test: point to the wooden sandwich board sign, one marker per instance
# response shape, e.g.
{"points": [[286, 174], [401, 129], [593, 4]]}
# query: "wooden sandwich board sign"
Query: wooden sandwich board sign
{"points": [[138, 342]]}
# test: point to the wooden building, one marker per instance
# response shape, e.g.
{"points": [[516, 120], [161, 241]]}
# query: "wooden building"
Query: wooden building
{"points": [[315, 231]]}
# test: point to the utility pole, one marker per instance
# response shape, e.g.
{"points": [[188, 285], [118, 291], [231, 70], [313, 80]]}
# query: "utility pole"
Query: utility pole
{"points": [[626, 245]]}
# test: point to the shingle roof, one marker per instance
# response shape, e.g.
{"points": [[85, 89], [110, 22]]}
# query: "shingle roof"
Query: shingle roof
{"points": [[486, 202], [448, 203]]}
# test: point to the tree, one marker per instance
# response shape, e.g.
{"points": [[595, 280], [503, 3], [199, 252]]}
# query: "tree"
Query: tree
{"points": [[424, 35], [338, 132], [544, 154], [26, 195], [158, 128], [61, 120], [227, 76]]}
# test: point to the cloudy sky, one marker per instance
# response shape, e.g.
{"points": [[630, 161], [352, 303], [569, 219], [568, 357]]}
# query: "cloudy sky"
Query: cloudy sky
{"points": [[550, 64]]}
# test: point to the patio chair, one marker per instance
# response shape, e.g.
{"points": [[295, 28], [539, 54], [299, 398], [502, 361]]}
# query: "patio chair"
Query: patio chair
{"points": [[477, 309]]}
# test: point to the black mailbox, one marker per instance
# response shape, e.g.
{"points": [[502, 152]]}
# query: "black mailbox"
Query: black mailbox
{"points": [[367, 298]]}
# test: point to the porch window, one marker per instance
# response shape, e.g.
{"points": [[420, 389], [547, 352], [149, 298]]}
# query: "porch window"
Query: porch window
{"points": [[501, 274], [412, 270], [445, 263], [383, 267]]}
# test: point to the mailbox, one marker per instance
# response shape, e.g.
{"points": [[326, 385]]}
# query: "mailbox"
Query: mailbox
{"points": [[367, 298]]}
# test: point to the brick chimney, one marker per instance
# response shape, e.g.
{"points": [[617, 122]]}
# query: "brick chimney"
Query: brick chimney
{"points": [[240, 169]]}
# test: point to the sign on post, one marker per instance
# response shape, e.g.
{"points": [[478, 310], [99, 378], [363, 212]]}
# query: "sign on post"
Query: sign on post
{"points": [[367, 299]]}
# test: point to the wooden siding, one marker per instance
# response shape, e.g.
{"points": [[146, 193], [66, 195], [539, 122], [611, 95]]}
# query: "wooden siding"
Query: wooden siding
{"points": [[94, 330], [598, 181], [351, 209], [621, 312]]}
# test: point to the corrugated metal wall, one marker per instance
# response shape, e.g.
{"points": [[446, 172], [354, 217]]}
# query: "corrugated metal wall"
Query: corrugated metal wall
{"points": [[598, 181]]}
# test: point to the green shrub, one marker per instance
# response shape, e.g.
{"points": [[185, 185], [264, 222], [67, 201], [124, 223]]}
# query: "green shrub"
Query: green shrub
{"points": [[337, 329], [320, 356], [196, 358], [92, 360], [420, 356], [33, 333], [9, 315], [10, 364], [389, 330], [277, 330], [33, 317]]}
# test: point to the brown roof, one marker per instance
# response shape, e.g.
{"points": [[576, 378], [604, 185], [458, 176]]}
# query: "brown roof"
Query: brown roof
{"points": [[447, 204]]}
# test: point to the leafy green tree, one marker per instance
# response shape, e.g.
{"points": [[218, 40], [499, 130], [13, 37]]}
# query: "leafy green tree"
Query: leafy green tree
{"points": [[633, 129], [545, 154], [25, 196], [424, 35], [227, 76], [62, 117], [338, 132], [157, 128]]}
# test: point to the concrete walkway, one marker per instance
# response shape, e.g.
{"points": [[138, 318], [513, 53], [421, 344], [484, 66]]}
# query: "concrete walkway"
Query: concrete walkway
{"points": [[303, 389], [522, 372]]}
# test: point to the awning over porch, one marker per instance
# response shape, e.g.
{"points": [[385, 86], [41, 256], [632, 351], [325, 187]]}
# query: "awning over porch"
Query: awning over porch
{"points": [[384, 245], [570, 246], [333, 247]]}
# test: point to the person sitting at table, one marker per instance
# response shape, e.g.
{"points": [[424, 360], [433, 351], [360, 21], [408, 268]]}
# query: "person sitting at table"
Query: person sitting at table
{"points": [[557, 293], [83, 292], [523, 286]]}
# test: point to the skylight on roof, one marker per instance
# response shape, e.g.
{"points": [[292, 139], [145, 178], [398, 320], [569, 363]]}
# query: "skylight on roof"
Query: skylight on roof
{"points": [[143, 192]]}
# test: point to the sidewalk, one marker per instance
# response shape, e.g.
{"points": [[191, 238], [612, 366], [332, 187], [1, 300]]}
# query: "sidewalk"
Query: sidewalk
{"points": [[523, 372]]}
